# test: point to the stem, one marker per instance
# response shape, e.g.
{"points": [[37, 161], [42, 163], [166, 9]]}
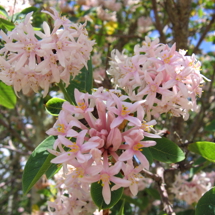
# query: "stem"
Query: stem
{"points": [[65, 93], [106, 212]]}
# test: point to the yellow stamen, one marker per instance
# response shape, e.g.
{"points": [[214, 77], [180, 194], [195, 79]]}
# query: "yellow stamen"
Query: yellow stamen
{"points": [[104, 178], [74, 147], [81, 105], [60, 128], [79, 173], [153, 88], [146, 127], [137, 147], [124, 111]]}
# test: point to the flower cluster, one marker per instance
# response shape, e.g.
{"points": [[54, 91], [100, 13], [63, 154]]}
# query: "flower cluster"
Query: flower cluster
{"points": [[100, 137], [167, 79], [72, 198], [191, 191], [29, 63]]}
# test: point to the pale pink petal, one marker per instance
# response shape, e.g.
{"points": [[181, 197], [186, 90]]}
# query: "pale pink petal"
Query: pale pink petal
{"points": [[134, 189], [90, 179], [127, 155], [120, 181], [117, 121], [32, 61], [64, 157], [71, 133], [148, 143], [21, 61], [94, 170], [115, 169], [89, 145], [65, 141], [134, 120], [142, 159], [106, 193], [82, 158]]}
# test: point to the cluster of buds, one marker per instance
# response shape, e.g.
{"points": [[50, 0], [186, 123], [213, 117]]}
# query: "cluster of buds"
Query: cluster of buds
{"points": [[100, 137], [168, 80], [31, 59]]}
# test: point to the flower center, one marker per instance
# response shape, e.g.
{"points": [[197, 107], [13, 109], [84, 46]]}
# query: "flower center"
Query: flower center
{"points": [[153, 88], [59, 45], [104, 178], [74, 147], [137, 147], [134, 177], [79, 172], [81, 105], [60, 128], [145, 127], [178, 78], [29, 47], [124, 111]]}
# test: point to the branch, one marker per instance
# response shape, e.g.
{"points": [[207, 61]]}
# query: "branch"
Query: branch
{"points": [[121, 35], [16, 135], [157, 22], [208, 27], [167, 206]]}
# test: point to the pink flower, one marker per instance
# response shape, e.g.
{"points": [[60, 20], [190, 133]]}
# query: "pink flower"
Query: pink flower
{"points": [[153, 87], [26, 48], [132, 174], [77, 149], [63, 127], [106, 176], [134, 146], [123, 111]]}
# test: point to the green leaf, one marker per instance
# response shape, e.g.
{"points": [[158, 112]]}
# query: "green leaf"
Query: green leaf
{"points": [[201, 164], [206, 205], [187, 212], [4, 24], [28, 10], [121, 206], [83, 82], [139, 202], [54, 106], [3, 12], [166, 151], [37, 164], [153, 192], [52, 170], [121, 211], [204, 148], [147, 154], [96, 194], [210, 126], [7, 96]]}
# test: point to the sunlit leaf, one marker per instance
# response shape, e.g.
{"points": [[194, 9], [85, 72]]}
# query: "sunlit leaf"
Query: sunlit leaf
{"points": [[166, 151], [206, 205], [37, 164], [7, 96], [54, 106], [204, 148]]}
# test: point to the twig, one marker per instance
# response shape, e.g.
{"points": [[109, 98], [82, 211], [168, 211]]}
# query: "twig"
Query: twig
{"points": [[208, 27], [121, 35], [16, 135], [157, 22], [167, 207]]}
